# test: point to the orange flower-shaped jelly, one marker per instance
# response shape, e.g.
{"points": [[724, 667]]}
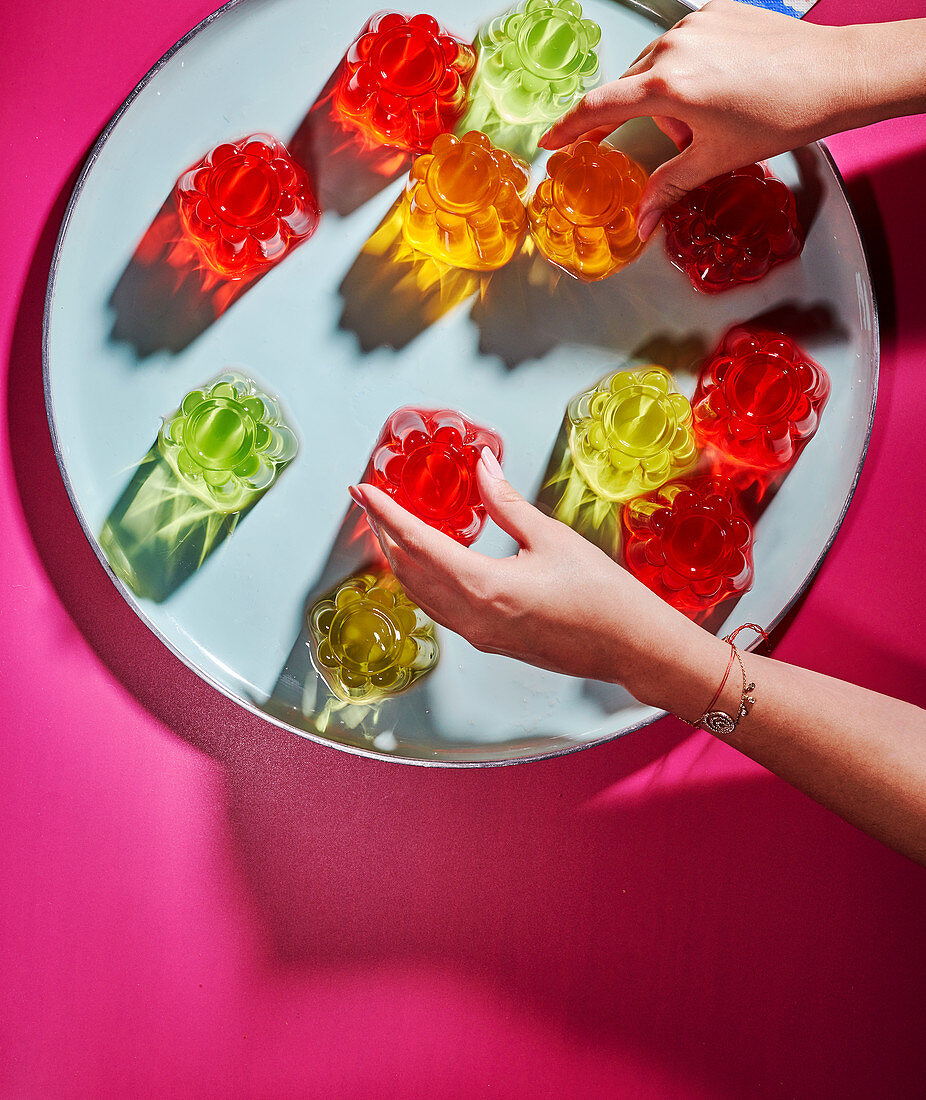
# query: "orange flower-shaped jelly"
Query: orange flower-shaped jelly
{"points": [[404, 81], [759, 399], [463, 203], [583, 215], [426, 460], [631, 433], [245, 205], [690, 543], [733, 229], [368, 640]]}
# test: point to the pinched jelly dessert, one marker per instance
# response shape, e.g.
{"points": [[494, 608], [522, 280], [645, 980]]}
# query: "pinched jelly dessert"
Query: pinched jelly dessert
{"points": [[462, 204], [537, 59], [690, 543], [631, 433], [759, 399], [368, 641], [426, 460], [245, 205], [733, 229], [583, 215], [228, 442], [404, 81]]}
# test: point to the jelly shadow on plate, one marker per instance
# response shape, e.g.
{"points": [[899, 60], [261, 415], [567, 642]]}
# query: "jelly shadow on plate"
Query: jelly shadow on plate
{"points": [[301, 697], [393, 293]]}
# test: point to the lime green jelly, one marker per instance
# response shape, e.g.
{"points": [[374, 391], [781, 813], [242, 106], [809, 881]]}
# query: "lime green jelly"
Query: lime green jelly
{"points": [[228, 442], [368, 640], [631, 433], [537, 59]]}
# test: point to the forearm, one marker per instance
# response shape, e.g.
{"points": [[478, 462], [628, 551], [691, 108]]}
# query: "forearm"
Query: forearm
{"points": [[886, 73], [859, 753]]}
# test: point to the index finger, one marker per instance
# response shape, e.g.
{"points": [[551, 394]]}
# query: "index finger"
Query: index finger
{"points": [[606, 107]]}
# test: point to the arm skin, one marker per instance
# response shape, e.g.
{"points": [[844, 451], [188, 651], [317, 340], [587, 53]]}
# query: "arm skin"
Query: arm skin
{"points": [[562, 604], [732, 84]]}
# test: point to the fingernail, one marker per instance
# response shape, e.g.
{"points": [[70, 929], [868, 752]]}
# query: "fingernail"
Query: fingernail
{"points": [[647, 224], [493, 469], [357, 497]]}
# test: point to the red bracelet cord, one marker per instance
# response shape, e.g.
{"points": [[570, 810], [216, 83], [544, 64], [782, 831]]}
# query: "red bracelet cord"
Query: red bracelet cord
{"points": [[729, 640]]}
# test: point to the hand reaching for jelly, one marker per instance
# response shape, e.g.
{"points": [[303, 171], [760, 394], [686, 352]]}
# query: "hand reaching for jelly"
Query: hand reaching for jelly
{"points": [[732, 84], [564, 605]]}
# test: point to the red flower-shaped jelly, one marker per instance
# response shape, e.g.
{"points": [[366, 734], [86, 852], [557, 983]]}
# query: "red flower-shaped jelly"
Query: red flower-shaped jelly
{"points": [[246, 204], [690, 543], [759, 399], [733, 229], [404, 80], [426, 460]]}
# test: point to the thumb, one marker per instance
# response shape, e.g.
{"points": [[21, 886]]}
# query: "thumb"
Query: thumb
{"points": [[505, 505], [669, 183]]}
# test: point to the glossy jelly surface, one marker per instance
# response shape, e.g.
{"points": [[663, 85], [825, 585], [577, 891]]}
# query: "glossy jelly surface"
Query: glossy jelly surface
{"points": [[759, 399], [690, 543], [733, 229], [462, 204], [537, 59], [245, 205], [583, 215], [426, 460], [368, 640], [228, 442], [631, 433], [404, 81]]}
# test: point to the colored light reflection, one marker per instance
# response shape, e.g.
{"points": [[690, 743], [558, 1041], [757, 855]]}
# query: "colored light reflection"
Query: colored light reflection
{"points": [[404, 81], [245, 205], [462, 204], [426, 460], [733, 229], [759, 399], [690, 543], [369, 641], [631, 433], [583, 215]]}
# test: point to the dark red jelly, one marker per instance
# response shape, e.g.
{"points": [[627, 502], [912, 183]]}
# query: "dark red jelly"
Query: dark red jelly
{"points": [[245, 205], [759, 399], [733, 229], [426, 460], [690, 543], [404, 81]]}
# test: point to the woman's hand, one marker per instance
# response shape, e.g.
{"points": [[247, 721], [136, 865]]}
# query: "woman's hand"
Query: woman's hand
{"points": [[730, 84], [559, 603]]}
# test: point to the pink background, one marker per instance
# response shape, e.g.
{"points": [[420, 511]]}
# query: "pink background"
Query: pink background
{"points": [[195, 903]]}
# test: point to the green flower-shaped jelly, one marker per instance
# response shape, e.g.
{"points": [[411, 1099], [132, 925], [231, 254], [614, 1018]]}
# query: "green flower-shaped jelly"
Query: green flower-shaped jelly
{"points": [[368, 640], [227, 442], [631, 433], [536, 60]]}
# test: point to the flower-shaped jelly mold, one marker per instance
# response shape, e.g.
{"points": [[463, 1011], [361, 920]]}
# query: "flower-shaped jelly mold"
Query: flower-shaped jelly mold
{"points": [[368, 640], [690, 543], [245, 205], [404, 81], [583, 215], [733, 229], [462, 203], [759, 399], [426, 460], [631, 433], [537, 59], [227, 442]]}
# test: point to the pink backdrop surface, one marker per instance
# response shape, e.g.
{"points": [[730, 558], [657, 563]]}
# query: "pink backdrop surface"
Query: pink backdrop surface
{"points": [[195, 903]]}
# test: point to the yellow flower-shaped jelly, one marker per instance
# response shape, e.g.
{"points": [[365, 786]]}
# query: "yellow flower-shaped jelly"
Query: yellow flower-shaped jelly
{"points": [[536, 60], [583, 215], [631, 433], [228, 442], [463, 203], [368, 640]]}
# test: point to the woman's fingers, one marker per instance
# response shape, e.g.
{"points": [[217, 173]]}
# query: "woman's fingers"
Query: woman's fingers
{"points": [[505, 505], [607, 106], [669, 183]]}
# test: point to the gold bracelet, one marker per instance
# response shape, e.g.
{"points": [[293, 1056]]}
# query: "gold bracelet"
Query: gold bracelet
{"points": [[718, 721]]}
